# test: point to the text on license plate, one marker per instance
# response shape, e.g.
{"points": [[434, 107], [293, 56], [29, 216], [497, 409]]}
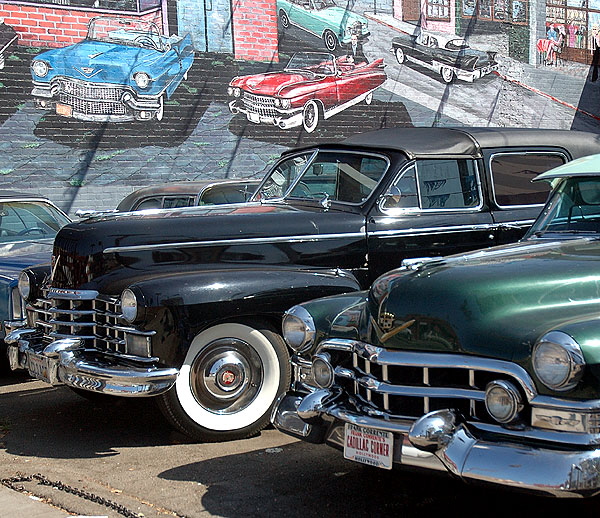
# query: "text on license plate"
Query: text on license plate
{"points": [[38, 367], [369, 446], [64, 110]]}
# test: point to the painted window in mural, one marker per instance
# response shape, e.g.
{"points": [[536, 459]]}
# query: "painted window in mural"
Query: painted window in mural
{"points": [[438, 9], [125, 6], [572, 30], [513, 11]]}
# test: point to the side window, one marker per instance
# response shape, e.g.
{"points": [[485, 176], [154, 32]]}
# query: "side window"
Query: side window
{"points": [[512, 174], [174, 202], [403, 194], [448, 184], [149, 203]]}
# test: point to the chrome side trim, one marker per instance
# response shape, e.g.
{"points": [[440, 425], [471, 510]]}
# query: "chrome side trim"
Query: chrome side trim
{"points": [[59, 293], [243, 241]]}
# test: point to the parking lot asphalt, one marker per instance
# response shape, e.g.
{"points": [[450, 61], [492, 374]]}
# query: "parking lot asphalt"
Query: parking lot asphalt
{"points": [[115, 458]]}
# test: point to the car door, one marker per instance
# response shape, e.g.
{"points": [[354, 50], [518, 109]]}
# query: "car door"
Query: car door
{"points": [[516, 200], [433, 207]]}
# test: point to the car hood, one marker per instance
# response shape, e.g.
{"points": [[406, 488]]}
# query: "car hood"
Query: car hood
{"points": [[273, 83], [142, 242], [99, 61], [16, 256], [341, 17], [494, 303]]}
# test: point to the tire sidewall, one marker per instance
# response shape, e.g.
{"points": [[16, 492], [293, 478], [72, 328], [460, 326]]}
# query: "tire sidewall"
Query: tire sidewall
{"points": [[201, 423]]}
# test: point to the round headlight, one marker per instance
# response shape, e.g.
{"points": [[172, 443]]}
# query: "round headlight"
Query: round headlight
{"points": [[503, 401], [24, 285], [298, 328], [322, 371], [286, 104], [277, 102], [142, 79], [558, 361], [40, 68], [129, 305]]}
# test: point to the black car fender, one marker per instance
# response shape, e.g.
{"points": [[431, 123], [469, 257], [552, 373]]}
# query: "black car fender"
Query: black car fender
{"points": [[179, 306]]}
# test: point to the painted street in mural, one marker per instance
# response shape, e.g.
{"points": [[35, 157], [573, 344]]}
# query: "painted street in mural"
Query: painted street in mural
{"points": [[204, 115]]}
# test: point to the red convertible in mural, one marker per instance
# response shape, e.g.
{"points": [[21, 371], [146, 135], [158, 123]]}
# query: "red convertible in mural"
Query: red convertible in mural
{"points": [[313, 86]]}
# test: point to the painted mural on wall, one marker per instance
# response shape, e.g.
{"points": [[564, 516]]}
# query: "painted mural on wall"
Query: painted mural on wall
{"points": [[101, 97]]}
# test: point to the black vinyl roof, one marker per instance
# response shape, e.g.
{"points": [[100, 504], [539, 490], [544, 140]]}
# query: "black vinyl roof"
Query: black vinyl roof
{"points": [[425, 142]]}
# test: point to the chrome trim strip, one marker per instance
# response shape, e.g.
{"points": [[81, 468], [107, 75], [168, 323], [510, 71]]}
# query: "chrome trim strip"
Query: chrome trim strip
{"points": [[434, 230], [59, 293], [421, 392], [243, 241]]}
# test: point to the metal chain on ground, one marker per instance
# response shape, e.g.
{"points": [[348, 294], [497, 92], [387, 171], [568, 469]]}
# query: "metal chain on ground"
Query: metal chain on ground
{"points": [[12, 482]]}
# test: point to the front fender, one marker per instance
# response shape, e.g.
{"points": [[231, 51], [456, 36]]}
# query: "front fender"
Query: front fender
{"points": [[190, 302]]}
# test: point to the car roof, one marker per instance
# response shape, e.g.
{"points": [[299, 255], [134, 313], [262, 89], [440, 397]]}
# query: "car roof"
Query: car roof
{"points": [[191, 188], [584, 166], [6, 194], [425, 142]]}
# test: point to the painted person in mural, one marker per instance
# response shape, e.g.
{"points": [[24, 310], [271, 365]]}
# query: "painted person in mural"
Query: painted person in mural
{"points": [[354, 51]]}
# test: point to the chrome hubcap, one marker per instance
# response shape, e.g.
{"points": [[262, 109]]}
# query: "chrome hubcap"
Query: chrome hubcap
{"points": [[226, 376]]}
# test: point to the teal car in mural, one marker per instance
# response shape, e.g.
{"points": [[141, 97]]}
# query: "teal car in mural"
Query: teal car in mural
{"points": [[484, 364], [323, 18], [123, 70]]}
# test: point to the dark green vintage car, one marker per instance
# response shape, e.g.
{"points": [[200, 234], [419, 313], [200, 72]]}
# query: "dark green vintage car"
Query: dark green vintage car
{"points": [[485, 364]]}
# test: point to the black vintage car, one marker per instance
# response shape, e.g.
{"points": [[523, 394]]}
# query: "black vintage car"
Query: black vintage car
{"points": [[448, 55], [186, 304]]}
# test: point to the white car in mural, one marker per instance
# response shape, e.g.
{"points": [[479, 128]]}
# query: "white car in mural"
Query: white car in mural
{"points": [[123, 70]]}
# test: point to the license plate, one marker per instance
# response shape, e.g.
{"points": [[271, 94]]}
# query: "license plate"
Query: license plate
{"points": [[369, 446], [38, 367], [253, 117], [64, 110]]}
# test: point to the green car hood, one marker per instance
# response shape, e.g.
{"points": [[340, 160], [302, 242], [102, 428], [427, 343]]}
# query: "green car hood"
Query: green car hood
{"points": [[495, 303]]}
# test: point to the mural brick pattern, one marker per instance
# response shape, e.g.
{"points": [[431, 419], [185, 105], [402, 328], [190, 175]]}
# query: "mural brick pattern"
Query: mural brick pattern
{"points": [[87, 119]]}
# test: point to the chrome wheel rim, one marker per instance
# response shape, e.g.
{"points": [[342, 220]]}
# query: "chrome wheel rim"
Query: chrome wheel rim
{"points": [[226, 376]]}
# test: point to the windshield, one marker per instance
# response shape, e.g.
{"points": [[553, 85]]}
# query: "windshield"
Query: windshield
{"points": [[29, 220], [457, 44], [134, 33], [336, 175], [317, 62], [323, 4], [573, 208]]}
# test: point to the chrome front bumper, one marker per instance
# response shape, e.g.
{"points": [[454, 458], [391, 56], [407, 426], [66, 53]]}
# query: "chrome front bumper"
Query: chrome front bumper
{"points": [[440, 441], [287, 119], [66, 361]]}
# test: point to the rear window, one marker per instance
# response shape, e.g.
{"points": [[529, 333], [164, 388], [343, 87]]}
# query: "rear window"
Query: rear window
{"points": [[512, 174]]}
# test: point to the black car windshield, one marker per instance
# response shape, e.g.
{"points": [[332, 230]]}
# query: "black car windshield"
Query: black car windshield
{"points": [[573, 208], [335, 175], [29, 220], [133, 33]]}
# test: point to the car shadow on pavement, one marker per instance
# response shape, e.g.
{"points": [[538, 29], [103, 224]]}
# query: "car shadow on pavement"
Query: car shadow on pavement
{"points": [[360, 117], [54, 422], [303, 480]]}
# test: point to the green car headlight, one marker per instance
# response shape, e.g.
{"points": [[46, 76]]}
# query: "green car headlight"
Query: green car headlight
{"points": [[298, 328], [558, 361]]}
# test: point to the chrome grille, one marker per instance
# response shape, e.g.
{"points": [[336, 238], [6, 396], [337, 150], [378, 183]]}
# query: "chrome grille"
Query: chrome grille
{"points": [[260, 104], [92, 99], [407, 384], [94, 320]]}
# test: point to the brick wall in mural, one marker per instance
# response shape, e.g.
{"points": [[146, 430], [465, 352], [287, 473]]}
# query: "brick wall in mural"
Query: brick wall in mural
{"points": [[99, 97]]}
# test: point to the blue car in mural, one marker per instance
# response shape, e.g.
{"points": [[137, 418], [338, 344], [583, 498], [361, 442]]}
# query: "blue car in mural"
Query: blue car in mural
{"points": [[123, 70], [323, 18]]}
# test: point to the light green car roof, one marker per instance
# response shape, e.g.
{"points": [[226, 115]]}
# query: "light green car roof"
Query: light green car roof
{"points": [[584, 166]]}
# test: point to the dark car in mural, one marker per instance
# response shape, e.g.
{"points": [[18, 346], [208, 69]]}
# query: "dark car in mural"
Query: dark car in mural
{"points": [[8, 36], [186, 304], [123, 70], [28, 225], [323, 18], [483, 364], [312, 86], [447, 55]]}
